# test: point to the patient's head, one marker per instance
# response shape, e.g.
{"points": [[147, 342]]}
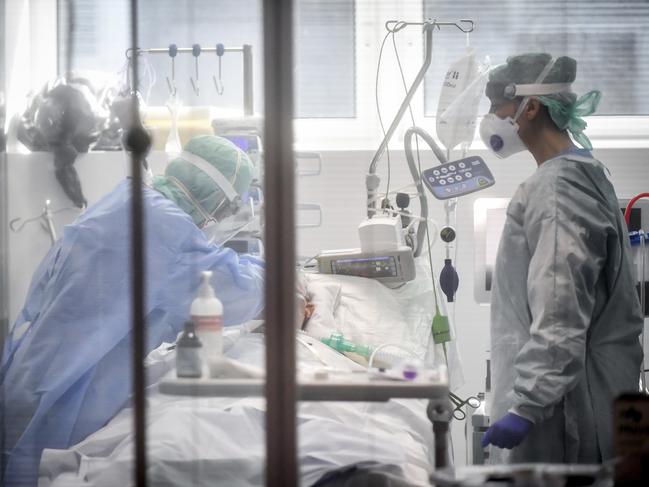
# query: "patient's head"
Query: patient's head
{"points": [[303, 305]]}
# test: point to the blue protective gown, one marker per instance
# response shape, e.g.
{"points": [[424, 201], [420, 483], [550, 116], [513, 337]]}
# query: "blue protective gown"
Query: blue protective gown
{"points": [[70, 372], [565, 315]]}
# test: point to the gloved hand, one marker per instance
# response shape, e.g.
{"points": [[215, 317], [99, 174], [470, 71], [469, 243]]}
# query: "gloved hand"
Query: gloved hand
{"points": [[508, 432]]}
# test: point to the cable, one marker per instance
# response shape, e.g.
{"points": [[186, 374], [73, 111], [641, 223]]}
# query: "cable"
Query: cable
{"points": [[303, 341], [627, 211], [378, 111], [457, 244], [405, 87], [415, 172], [430, 254], [391, 356]]}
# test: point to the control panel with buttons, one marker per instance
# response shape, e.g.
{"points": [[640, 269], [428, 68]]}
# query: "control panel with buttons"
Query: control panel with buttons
{"points": [[457, 178]]}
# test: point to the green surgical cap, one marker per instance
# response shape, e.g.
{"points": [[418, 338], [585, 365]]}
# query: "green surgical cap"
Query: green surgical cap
{"points": [[193, 190], [525, 69], [565, 109]]}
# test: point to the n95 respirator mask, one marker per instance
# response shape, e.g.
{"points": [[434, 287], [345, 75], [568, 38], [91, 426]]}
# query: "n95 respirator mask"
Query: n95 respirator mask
{"points": [[501, 135]]}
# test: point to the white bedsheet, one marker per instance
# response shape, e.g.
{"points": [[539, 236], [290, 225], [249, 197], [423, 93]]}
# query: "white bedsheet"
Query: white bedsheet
{"points": [[220, 441]]}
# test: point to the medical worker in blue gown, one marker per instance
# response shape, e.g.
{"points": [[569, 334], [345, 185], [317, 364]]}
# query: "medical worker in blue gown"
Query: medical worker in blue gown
{"points": [[66, 366], [565, 316]]}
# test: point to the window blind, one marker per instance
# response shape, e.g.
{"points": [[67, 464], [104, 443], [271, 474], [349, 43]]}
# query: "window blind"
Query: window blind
{"points": [[324, 41], [609, 40]]}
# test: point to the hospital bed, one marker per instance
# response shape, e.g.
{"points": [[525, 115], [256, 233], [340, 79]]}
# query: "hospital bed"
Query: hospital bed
{"points": [[220, 440]]}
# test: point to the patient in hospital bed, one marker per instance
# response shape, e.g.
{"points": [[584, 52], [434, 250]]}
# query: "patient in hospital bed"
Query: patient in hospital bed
{"points": [[220, 440]]}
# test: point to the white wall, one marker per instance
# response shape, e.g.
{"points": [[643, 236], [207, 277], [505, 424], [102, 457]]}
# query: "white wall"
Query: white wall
{"points": [[31, 181]]}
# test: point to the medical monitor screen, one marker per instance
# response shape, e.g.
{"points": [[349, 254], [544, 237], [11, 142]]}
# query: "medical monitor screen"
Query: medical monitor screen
{"points": [[372, 267]]}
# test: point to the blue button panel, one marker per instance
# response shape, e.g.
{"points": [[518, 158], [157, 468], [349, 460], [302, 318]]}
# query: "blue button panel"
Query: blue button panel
{"points": [[457, 178]]}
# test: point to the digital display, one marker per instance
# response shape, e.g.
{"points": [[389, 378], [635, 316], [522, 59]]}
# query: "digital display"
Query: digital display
{"points": [[372, 267]]}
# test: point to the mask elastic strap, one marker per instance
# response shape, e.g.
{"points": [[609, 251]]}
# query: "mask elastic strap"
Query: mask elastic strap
{"points": [[539, 80], [213, 173], [539, 89], [204, 213]]}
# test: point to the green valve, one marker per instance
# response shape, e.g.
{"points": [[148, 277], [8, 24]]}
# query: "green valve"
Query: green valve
{"points": [[441, 328], [338, 342]]}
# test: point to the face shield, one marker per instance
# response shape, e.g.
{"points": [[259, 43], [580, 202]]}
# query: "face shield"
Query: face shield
{"points": [[237, 217]]}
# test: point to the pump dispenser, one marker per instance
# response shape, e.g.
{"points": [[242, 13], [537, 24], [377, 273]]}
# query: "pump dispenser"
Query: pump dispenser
{"points": [[207, 315]]}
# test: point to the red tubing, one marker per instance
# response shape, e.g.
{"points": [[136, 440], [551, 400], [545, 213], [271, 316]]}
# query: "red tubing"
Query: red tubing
{"points": [[627, 212]]}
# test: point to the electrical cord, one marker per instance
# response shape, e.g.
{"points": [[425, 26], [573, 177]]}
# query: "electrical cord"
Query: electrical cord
{"points": [[428, 242], [392, 357], [378, 111]]}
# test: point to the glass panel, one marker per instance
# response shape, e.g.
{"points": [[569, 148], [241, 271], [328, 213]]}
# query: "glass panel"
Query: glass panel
{"points": [[4, 230], [324, 53], [325, 59], [66, 378], [66, 364], [608, 39], [365, 303]]}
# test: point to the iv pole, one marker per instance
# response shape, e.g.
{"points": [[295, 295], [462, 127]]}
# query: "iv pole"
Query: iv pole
{"points": [[372, 181]]}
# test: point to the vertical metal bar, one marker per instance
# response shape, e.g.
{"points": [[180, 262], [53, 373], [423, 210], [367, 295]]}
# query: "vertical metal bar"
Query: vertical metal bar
{"points": [[643, 305], [58, 37], [4, 240], [248, 102], [440, 433], [281, 464], [4, 293], [136, 140], [72, 26], [4, 200]]}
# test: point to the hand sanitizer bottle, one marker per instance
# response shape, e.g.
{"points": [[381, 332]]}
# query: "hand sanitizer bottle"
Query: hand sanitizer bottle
{"points": [[207, 315]]}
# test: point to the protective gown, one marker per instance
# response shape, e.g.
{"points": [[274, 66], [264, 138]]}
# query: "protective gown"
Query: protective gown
{"points": [[565, 315], [70, 372]]}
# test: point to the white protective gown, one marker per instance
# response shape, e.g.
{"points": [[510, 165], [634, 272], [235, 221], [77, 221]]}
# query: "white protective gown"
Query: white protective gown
{"points": [[565, 315]]}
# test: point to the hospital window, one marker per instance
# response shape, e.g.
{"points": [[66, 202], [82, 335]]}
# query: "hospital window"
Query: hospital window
{"points": [[324, 42], [610, 40]]}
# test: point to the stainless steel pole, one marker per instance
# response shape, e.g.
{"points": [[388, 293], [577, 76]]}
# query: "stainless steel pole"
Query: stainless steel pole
{"points": [[4, 293], [248, 101]]}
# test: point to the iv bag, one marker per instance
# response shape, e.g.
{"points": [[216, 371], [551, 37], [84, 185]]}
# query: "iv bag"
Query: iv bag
{"points": [[459, 99]]}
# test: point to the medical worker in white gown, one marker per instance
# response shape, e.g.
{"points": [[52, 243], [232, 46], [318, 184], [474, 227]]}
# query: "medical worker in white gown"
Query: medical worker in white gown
{"points": [[565, 315]]}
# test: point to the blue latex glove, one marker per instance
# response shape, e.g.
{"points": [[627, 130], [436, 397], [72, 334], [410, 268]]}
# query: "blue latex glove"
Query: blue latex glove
{"points": [[508, 432]]}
